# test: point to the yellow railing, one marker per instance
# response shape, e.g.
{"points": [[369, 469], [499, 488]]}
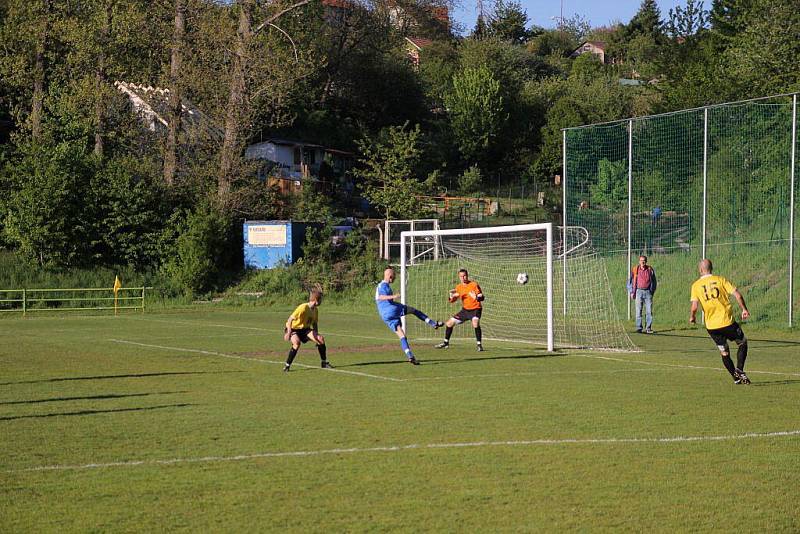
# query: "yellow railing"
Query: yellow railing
{"points": [[77, 299]]}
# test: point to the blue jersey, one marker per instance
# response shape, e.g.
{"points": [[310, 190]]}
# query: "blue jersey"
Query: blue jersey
{"points": [[387, 309]]}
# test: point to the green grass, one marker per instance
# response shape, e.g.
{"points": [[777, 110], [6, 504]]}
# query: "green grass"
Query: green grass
{"points": [[196, 439]]}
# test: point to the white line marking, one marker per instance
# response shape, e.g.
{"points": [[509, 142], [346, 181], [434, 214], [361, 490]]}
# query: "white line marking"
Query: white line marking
{"points": [[683, 366], [398, 448], [222, 355], [257, 328]]}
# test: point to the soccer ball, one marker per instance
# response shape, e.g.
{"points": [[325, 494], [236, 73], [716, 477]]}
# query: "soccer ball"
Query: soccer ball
{"points": [[522, 278]]}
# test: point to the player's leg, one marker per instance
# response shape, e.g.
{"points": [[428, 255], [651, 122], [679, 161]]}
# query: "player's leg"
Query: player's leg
{"points": [[476, 325], [639, 300], [722, 344], [648, 305], [448, 331], [741, 352], [319, 339], [398, 329], [422, 317], [295, 341]]}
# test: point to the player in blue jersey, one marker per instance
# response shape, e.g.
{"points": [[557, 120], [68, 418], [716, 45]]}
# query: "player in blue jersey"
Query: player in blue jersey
{"points": [[391, 312]]}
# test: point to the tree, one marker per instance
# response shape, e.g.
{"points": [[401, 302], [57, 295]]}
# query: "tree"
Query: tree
{"points": [[686, 22], [476, 111], [509, 22], [387, 170]]}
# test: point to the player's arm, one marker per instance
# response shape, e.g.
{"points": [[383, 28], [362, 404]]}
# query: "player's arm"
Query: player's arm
{"points": [[452, 296], [693, 313], [478, 293], [288, 328], [740, 299], [388, 297]]}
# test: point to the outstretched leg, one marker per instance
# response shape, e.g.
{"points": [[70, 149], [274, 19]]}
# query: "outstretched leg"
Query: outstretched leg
{"points": [[422, 317], [447, 333], [295, 339]]}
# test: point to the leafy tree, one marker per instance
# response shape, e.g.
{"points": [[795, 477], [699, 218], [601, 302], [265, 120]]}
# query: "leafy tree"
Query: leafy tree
{"points": [[387, 172], [611, 189], [46, 208], [476, 111], [686, 22], [509, 22]]}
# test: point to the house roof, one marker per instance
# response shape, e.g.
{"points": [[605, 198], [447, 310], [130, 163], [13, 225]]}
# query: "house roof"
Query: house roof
{"points": [[597, 44], [419, 42], [294, 142], [152, 105]]}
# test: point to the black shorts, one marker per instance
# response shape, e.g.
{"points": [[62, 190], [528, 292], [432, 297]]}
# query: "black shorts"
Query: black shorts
{"points": [[732, 332], [467, 315], [302, 334]]}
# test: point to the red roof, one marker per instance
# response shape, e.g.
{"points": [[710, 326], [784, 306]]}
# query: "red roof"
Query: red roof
{"points": [[419, 42]]}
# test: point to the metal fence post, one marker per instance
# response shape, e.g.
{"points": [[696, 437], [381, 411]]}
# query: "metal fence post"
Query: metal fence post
{"points": [[630, 210], [24, 302], [564, 227], [705, 178], [791, 207]]}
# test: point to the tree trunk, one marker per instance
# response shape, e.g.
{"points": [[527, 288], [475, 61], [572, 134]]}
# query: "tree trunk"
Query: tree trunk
{"points": [[175, 93], [100, 81], [37, 100], [236, 111]]}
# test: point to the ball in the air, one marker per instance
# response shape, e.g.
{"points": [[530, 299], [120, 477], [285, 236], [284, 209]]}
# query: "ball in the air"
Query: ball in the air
{"points": [[522, 278]]}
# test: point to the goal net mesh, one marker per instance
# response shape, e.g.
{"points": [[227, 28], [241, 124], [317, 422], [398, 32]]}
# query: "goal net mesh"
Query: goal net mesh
{"points": [[513, 311]]}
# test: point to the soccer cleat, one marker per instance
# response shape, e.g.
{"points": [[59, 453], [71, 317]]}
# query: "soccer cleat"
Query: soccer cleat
{"points": [[326, 364], [649, 331], [286, 368], [413, 361], [740, 377], [638, 330], [442, 345], [438, 325], [480, 347]]}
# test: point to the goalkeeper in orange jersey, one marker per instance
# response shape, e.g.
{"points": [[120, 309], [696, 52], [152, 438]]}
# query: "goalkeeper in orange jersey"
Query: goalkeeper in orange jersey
{"points": [[471, 296], [302, 325]]}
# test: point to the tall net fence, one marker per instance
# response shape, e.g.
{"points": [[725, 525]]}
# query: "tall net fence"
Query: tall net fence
{"points": [[714, 182]]}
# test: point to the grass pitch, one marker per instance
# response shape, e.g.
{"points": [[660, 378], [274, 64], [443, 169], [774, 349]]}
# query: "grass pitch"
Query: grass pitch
{"points": [[184, 421]]}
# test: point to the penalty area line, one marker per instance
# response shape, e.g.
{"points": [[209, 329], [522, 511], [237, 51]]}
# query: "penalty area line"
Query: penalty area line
{"points": [[400, 448], [260, 360], [682, 366]]}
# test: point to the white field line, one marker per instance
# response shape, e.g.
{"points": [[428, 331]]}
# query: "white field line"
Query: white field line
{"points": [[400, 448], [232, 356], [683, 366], [256, 328]]}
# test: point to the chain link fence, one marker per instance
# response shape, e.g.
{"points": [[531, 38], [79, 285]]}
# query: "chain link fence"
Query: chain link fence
{"points": [[717, 182]]}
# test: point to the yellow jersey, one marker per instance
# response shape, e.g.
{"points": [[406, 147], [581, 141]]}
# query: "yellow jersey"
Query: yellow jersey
{"points": [[304, 316], [712, 292]]}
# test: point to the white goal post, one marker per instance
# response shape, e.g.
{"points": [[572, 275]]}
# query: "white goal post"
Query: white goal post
{"points": [[406, 238], [514, 265]]}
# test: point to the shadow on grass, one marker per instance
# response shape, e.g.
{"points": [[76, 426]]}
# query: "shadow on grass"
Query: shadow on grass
{"points": [[105, 377], [702, 334], [93, 397], [775, 383], [441, 361], [93, 412]]}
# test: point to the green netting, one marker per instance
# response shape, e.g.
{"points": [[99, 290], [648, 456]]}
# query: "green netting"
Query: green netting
{"points": [[742, 216]]}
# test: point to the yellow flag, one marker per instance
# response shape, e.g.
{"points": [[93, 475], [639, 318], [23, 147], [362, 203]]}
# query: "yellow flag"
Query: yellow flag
{"points": [[117, 284]]}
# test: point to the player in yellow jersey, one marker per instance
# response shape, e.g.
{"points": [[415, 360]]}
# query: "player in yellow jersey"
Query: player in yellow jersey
{"points": [[302, 326], [711, 291], [471, 296]]}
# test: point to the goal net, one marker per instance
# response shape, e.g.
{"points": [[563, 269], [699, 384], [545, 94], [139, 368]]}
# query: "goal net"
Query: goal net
{"points": [[566, 301]]}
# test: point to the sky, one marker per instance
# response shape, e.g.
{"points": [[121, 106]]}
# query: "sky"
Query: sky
{"points": [[545, 13]]}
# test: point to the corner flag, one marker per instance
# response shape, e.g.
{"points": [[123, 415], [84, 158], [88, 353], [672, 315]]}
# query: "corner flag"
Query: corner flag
{"points": [[117, 285]]}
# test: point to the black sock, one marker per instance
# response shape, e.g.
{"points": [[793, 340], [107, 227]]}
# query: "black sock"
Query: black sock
{"points": [[741, 356], [728, 363], [292, 354], [478, 334], [447, 333], [322, 352]]}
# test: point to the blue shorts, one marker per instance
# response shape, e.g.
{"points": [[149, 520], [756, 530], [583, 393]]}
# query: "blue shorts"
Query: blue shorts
{"points": [[392, 319]]}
